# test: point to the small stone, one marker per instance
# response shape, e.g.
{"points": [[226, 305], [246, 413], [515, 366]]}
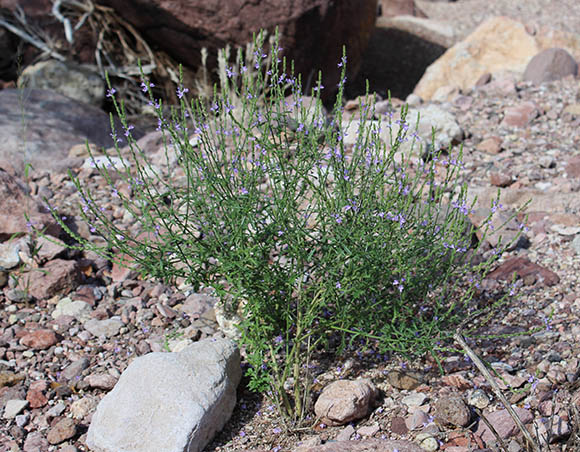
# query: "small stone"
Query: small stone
{"points": [[343, 401], [452, 410], [13, 408], [345, 433], [68, 448], [560, 428], [36, 398], [75, 369], [56, 410], [418, 420], [414, 399], [82, 407], [427, 442], [101, 381], [39, 339], [369, 430], [104, 328], [503, 423], [62, 430], [456, 380], [500, 179], [547, 161], [403, 380], [10, 378], [22, 420], [520, 115], [77, 309], [478, 399], [398, 426], [35, 442], [491, 145]]}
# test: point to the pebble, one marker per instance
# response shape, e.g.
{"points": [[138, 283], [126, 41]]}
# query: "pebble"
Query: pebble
{"points": [[13, 408], [61, 431], [75, 369], [22, 420], [427, 442], [403, 380], [77, 309], [418, 420], [452, 410], [369, 430], [82, 407], [105, 382], [104, 328], [414, 399], [56, 410], [39, 339], [478, 399], [345, 433]]}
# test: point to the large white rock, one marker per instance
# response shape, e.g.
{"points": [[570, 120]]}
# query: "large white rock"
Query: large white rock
{"points": [[170, 402], [431, 116]]}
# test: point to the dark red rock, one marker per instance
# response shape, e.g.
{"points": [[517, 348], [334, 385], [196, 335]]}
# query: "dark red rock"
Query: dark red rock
{"points": [[39, 339], [36, 398], [312, 32], [549, 65], [524, 268], [56, 277]]}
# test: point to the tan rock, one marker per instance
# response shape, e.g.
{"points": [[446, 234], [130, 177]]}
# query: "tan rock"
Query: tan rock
{"points": [[499, 44], [491, 145], [344, 400], [497, 47], [61, 431]]}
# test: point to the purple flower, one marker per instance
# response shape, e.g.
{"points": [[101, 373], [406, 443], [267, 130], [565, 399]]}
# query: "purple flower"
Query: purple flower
{"points": [[181, 92], [145, 86], [128, 130], [111, 92]]}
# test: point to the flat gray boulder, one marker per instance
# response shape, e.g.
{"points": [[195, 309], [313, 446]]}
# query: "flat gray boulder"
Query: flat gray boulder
{"points": [[171, 402]]}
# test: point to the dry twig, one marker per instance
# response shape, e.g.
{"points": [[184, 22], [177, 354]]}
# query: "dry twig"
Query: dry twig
{"points": [[481, 366]]}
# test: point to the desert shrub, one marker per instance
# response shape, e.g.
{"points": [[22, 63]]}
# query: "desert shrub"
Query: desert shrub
{"points": [[309, 237]]}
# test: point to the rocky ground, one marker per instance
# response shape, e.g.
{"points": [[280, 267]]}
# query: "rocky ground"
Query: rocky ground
{"points": [[61, 355]]}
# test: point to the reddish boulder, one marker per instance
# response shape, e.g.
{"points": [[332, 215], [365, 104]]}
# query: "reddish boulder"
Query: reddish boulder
{"points": [[312, 31]]}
